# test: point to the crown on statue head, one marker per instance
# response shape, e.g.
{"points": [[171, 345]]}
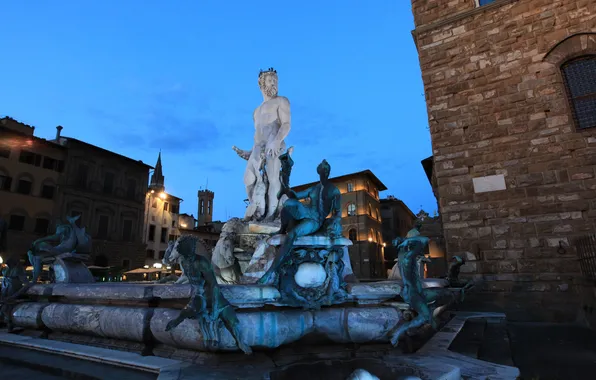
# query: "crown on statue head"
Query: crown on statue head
{"points": [[270, 70]]}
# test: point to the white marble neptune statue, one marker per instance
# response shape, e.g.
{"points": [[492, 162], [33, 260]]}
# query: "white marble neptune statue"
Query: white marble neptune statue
{"points": [[272, 125]]}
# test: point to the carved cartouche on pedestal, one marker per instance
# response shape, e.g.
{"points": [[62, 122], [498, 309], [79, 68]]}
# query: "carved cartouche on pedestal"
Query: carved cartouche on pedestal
{"points": [[72, 247], [207, 305]]}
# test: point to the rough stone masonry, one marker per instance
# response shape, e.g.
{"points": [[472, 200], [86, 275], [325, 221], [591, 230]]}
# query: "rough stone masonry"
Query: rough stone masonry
{"points": [[515, 177]]}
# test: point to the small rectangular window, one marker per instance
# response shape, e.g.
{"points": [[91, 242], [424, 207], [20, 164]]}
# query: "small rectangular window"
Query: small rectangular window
{"points": [[42, 226], [27, 157], [151, 233], [164, 235], [49, 163], [166, 206], [131, 189], [150, 254], [103, 226], [16, 223], [5, 183], [108, 183], [59, 166], [162, 254], [127, 230], [24, 187], [47, 191], [81, 180]]}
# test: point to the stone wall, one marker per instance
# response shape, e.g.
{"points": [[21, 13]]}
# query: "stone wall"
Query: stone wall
{"points": [[497, 105]]}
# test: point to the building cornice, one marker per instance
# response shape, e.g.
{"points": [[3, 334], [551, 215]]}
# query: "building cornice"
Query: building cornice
{"points": [[458, 17]]}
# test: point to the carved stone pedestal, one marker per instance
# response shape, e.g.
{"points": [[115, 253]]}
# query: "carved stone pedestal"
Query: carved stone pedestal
{"points": [[313, 274]]}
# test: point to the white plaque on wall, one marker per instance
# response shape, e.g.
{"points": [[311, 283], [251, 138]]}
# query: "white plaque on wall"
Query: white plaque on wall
{"points": [[489, 183]]}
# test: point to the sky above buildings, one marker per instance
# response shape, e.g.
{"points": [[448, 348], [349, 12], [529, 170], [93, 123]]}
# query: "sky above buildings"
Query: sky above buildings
{"points": [[138, 76]]}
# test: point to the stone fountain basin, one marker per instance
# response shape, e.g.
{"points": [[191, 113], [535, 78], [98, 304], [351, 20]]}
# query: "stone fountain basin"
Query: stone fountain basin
{"points": [[140, 312], [240, 296]]}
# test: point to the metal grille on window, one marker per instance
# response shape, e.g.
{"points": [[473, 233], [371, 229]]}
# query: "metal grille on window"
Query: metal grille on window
{"points": [[580, 80]]}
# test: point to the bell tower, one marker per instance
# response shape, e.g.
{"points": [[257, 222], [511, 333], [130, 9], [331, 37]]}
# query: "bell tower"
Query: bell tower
{"points": [[205, 214]]}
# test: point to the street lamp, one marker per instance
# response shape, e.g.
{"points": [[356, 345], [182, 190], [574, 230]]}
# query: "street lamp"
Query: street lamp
{"points": [[162, 195], [1, 261]]}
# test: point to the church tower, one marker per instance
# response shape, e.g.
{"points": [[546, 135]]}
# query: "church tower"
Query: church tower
{"points": [[205, 206], [157, 182]]}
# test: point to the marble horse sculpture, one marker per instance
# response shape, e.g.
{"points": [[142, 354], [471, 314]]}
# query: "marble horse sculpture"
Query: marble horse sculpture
{"points": [[421, 300], [73, 244], [207, 304]]}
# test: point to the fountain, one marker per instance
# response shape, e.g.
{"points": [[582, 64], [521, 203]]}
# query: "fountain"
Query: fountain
{"points": [[294, 284]]}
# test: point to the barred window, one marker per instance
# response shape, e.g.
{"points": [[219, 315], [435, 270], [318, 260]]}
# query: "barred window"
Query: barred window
{"points": [[579, 76]]}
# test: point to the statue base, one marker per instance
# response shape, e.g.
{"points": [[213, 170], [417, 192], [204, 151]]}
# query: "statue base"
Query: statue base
{"points": [[71, 272]]}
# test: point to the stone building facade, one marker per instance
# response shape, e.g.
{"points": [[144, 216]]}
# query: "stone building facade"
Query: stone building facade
{"points": [[108, 191], [511, 99], [44, 181], [361, 221], [30, 168], [161, 218]]}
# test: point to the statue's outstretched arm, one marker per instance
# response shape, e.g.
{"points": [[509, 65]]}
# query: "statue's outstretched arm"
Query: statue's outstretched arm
{"points": [[245, 154], [300, 194]]}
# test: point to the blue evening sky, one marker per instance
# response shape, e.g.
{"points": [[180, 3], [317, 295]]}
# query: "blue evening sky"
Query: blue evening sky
{"points": [[136, 76]]}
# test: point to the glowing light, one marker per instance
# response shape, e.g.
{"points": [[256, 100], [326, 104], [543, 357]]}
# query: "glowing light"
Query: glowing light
{"points": [[1, 260], [168, 267], [162, 195], [152, 191], [146, 266], [123, 277], [183, 225], [384, 244], [157, 265], [370, 239]]}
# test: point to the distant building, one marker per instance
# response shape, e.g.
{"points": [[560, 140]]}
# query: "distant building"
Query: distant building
{"points": [[204, 227], [397, 219], [43, 181], [161, 216], [205, 210], [361, 221]]}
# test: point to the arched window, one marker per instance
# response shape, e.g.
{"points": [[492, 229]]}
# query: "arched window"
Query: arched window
{"points": [[379, 238], [377, 214], [351, 209], [350, 187], [371, 235], [369, 210], [202, 209], [209, 207], [367, 186], [579, 76], [353, 235]]}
